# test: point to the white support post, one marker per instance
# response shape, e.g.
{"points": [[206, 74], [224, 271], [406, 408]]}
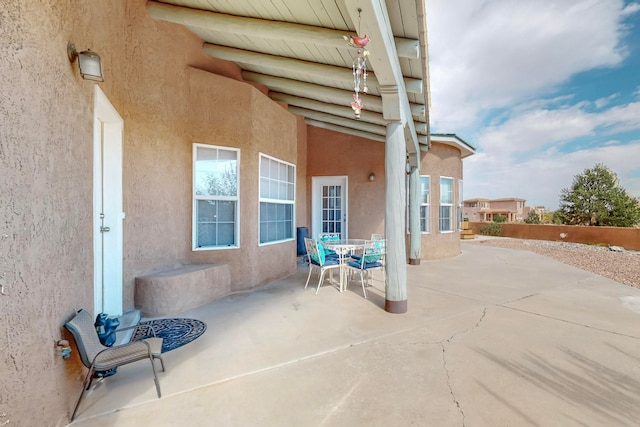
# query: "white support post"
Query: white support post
{"points": [[394, 223], [415, 245]]}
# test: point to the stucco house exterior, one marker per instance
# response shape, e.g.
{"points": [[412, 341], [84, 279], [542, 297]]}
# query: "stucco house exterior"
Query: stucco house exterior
{"points": [[485, 210], [176, 158]]}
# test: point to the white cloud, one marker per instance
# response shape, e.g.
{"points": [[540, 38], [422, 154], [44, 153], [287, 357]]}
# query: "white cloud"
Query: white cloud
{"points": [[530, 130], [540, 178], [603, 102], [622, 118], [630, 9], [536, 129], [497, 68], [488, 54]]}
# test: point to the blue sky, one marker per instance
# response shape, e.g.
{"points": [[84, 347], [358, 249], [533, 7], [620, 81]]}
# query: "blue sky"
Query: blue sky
{"points": [[542, 88]]}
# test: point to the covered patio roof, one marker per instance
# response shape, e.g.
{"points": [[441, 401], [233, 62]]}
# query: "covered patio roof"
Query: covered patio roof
{"points": [[297, 50]]}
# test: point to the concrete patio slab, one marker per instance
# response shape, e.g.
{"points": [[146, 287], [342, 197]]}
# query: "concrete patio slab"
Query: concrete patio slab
{"points": [[493, 337]]}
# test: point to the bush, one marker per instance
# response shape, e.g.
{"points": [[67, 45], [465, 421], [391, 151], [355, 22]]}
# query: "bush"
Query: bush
{"points": [[492, 229], [499, 218], [533, 218]]}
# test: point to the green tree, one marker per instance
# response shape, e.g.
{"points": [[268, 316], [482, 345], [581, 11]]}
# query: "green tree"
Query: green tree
{"points": [[532, 218], [596, 198], [554, 218], [499, 219]]}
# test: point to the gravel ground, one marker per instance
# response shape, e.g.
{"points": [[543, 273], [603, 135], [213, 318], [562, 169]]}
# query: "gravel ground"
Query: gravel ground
{"points": [[623, 267]]}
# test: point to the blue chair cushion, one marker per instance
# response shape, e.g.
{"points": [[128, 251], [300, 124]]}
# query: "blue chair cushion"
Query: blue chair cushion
{"points": [[358, 265], [321, 254], [318, 259], [371, 258], [326, 238], [327, 262]]}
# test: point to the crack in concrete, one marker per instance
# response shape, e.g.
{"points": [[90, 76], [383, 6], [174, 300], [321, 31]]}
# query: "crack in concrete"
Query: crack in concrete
{"points": [[444, 362], [451, 392], [484, 314], [517, 299], [546, 316]]}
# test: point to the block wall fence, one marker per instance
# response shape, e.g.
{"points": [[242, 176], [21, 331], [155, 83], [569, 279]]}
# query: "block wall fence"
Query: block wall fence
{"points": [[628, 238]]}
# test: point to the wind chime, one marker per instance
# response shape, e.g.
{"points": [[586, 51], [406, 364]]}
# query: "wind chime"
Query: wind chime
{"points": [[359, 68]]}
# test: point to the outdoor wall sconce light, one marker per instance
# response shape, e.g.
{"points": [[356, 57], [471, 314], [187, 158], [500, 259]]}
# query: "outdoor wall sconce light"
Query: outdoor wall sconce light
{"points": [[89, 63], [372, 177]]}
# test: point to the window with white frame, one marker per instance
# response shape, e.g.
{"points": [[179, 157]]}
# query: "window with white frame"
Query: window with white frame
{"points": [[215, 197], [446, 205], [460, 205], [425, 198], [277, 200]]}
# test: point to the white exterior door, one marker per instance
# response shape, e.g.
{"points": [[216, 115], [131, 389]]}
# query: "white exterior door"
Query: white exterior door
{"points": [[329, 205], [108, 128]]}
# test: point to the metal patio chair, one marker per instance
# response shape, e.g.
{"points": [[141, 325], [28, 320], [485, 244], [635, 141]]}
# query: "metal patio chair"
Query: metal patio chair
{"points": [[323, 237], [99, 358], [317, 261], [372, 258], [374, 236]]}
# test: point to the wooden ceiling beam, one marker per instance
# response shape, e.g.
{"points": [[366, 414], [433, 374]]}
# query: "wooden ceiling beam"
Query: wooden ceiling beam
{"points": [[324, 93], [342, 129], [340, 121], [281, 64], [337, 110], [406, 48], [323, 107]]}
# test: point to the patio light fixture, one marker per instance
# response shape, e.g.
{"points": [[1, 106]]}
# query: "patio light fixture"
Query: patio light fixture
{"points": [[88, 62], [359, 68]]}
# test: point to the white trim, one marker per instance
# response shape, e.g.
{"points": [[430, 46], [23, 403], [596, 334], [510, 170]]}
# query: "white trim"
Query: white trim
{"points": [[428, 204], [450, 205], [466, 150], [316, 183], [291, 202], [194, 199], [460, 205], [108, 252]]}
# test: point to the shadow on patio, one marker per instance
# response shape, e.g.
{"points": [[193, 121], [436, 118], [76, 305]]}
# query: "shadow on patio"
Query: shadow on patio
{"points": [[492, 337]]}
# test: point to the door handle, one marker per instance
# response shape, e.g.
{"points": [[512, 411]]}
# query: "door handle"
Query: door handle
{"points": [[104, 229]]}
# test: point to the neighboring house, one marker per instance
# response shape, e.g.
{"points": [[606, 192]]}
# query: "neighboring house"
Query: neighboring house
{"points": [[184, 157], [486, 210]]}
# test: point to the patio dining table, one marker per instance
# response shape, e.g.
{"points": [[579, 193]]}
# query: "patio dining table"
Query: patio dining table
{"points": [[344, 248]]}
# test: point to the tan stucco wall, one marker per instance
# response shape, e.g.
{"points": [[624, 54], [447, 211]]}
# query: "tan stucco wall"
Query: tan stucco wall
{"points": [[336, 154], [46, 235], [441, 160], [167, 106], [302, 211], [233, 114], [45, 206]]}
